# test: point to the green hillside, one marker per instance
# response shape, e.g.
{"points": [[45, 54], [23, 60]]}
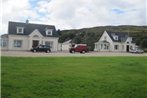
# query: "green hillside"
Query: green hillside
{"points": [[91, 35]]}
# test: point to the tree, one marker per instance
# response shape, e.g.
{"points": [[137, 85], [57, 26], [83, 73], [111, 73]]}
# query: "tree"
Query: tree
{"points": [[59, 32], [144, 43], [77, 40]]}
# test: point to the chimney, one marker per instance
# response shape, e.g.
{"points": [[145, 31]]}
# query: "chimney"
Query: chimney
{"points": [[27, 21]]}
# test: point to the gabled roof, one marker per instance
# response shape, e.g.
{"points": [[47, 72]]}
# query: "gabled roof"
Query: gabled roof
{"points": [[67, 42], [29, 28], [104, 41], [122, 37]]}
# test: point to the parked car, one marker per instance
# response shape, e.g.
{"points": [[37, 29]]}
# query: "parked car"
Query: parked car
{"points": [[41, 48], [82, 48], [137, 50]]}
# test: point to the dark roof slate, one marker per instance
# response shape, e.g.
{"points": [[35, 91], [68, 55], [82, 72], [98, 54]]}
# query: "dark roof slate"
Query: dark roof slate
{"points": [[4, 36], [29, 28], [122, 37]]}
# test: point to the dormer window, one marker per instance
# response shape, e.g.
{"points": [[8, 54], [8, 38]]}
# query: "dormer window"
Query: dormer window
{"points": [[49, 32], [115, 37], [20, 30]]}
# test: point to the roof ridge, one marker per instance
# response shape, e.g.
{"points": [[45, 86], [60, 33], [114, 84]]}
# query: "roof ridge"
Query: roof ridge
{"points": [[116, 32], [31, 23], [121, 35], [30, 27]]}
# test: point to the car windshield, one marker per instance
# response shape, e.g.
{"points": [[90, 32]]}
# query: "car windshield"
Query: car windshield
{"points": [[139, 49], [40, 46]]}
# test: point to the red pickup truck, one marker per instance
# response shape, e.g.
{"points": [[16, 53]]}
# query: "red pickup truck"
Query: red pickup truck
{"points": [[82, 48]]}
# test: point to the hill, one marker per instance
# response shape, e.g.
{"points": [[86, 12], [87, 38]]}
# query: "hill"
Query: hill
{"points": [[91, 35]]}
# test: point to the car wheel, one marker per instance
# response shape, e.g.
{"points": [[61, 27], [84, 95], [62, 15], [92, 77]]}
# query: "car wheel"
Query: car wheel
{"points": [[34, 50], [47, 51], [83, 51], [72, 51]]}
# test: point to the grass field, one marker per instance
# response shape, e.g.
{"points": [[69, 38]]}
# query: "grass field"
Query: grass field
{"points": [[74, 77]]}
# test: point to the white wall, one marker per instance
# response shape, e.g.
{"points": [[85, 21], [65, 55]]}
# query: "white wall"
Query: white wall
{"points": [[18, 37], [43, 39], [122, 47], [108, 39], [63, 47], [27, 42], [51, 39]]}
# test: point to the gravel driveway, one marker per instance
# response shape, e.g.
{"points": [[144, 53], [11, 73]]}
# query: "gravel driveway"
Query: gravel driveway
{"points": [[60, 54]]}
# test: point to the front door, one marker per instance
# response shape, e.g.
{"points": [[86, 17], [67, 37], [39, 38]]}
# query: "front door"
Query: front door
{"points": [[35, 43], [127, 48]]}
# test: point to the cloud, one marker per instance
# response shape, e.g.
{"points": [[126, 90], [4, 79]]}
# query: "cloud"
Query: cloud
{"points": [[68, 14], [16, 10], [118, 11]]}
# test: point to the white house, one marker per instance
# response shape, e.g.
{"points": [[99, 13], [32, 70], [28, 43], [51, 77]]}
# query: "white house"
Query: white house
{"points": [[65, 45], [24, 36], [114, 42]]}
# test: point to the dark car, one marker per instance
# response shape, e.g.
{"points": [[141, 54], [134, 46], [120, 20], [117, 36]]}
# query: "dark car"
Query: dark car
{"points": [[82, 48], [41, 48]]}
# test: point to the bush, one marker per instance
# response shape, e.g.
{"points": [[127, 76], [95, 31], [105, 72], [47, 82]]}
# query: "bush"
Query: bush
{"points": [[145, 49], [144, 43]]}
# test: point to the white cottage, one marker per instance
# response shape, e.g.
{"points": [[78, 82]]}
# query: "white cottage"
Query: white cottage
{"points": [[64, 46], [114, 42], [24, 36]]}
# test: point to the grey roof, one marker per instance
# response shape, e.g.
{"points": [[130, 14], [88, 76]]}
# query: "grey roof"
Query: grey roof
{"points": [[104, 41], [4, 36], [29, 28], [67, 42], [122, 37]]}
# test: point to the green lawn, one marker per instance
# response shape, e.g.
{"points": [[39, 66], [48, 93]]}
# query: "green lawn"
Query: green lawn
{"points": [[74, 77]]}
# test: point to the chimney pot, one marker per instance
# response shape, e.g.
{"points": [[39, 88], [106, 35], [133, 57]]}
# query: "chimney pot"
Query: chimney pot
{"points": [[27, 21]]}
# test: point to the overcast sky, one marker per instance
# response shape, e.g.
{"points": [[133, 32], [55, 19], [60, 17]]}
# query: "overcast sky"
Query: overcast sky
{"points": [[73, 14]]}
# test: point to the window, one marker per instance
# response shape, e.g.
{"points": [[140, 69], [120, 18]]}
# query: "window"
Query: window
{"points": [[131, 47], [106, 47], [116, 47], [20, 30], [101, 46], [49, 32], [4, 43], [49, 43], [17, 43], [105, 37], [115, 37]]}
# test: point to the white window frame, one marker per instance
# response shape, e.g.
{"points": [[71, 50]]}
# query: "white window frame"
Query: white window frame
{"points": [[4, 43], [101, 46], [20, 28], [18, 43], [49, 32], [128, 42], [49, 43], [116, 47], [115, 37]]}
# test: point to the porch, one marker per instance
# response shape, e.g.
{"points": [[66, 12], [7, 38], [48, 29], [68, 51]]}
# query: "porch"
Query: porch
{"points": [[102, 46]]}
